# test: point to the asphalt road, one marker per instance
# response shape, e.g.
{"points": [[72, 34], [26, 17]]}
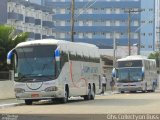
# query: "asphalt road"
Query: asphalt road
{"points": [[127, 103]]}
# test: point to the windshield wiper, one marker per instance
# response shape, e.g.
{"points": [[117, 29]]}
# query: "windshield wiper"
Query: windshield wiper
{"points": [[22, 78], [48, 76]]}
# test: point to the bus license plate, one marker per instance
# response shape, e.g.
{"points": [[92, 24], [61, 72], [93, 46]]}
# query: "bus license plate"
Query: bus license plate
{"points": [[35, 95]]}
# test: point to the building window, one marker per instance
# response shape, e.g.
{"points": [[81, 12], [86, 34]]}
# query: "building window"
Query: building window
{"points": [[150, 34], [102, 33], [143, 34], [136, 23], [108, 35], [102, 8], [143, 9], [143, 21], [142, 46], [149, 46]]}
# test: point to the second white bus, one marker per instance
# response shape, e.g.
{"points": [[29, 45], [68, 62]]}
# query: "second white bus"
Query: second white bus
{"points": [[135, 73]]}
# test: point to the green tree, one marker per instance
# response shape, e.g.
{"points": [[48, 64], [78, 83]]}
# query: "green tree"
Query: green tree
{"points": [[155, 55], [8, 40]]}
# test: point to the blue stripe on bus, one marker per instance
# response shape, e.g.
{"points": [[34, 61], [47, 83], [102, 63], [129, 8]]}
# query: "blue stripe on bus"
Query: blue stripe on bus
{"points": [[9, 55], [57, 53]]}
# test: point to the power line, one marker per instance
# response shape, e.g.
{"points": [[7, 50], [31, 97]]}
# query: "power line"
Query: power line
{"points": [[73, 17], [86, 8], [144, 23]]}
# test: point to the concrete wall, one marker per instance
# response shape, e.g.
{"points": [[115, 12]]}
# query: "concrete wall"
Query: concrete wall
{"points": [[6, 89]]}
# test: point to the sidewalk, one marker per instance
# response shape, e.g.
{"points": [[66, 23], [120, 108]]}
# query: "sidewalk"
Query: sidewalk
{"points": [[110, 93], [10, 102]]}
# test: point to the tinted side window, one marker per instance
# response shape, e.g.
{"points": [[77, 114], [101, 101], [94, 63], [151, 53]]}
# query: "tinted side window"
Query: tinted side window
{"points": [[64, 58]]}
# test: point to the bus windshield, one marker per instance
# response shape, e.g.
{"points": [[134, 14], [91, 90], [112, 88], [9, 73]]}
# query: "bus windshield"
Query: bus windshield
{"points": [[35, 61], [129, 75]]}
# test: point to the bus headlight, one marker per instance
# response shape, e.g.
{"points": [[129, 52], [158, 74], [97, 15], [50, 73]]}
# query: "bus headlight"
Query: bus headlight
{"points": [[19, 90], [52, 88]]}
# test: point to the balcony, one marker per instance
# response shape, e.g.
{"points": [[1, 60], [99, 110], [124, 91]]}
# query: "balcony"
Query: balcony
{"points": [[47, 37], [29, 20], [31, 35], [48, 24], [15, 16], [37, 21], [37, 36]]}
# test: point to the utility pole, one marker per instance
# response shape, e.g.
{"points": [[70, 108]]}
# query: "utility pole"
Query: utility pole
{"points": [[72, 21], [114, 50], [129, 30], [139, 42]]}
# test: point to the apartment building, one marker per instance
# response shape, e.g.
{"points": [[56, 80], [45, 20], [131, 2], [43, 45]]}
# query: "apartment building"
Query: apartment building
{"points": [[27, 17], [96, 21]]}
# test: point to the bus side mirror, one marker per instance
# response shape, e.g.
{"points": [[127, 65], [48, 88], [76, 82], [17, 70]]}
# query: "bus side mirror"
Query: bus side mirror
{"points": [[57, 55], [57, 61], [9, 56], [114, 72]]}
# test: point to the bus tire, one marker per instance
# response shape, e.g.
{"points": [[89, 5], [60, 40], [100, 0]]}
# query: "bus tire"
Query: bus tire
{"points": [[28, 102], [121, 91], [93, 92], [145, 89], [153, 88], [66, 95], [89, 95]]}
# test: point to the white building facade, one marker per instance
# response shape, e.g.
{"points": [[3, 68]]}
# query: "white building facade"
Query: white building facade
{"points": [[28, 17]]}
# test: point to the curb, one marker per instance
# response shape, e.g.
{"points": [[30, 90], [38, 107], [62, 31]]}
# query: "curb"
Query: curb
{"points": [[10, 105]]}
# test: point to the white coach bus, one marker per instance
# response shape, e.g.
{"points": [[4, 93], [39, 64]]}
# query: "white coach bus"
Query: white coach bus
{"points": [[55, 69], [135, 73]]}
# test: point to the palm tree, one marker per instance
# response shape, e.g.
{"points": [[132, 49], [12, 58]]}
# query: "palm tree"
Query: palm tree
{"points": [[8, 40]]}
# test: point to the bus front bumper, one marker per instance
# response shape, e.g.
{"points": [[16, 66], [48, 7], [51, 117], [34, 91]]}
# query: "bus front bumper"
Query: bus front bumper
{"points": [[130, 86], [39, 95]]}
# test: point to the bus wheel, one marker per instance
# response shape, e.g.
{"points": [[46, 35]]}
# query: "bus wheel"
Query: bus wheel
{"points": [[89, 96], [28, 102], [121, 91], [65, 98], [145, 89], [93, 92], [133, 91], [153, 88]]}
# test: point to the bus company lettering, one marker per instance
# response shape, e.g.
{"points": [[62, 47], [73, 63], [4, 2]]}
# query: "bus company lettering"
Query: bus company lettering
{"points": [[89, 70]]}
